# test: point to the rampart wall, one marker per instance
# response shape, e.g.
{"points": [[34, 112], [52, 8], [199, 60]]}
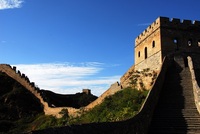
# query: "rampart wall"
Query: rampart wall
{"points": [[137, 125], [166, 22], [141, 121], [148, 31], [124, 80], [112, 90], [196, 88], [24, 81]]}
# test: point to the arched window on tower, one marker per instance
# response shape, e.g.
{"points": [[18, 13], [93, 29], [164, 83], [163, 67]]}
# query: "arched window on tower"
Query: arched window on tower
{"points": [[190, 42], [176, 43], [145, 53], [153, 44], [139, 54]]}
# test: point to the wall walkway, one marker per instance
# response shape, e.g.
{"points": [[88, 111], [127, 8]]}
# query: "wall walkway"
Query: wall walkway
{"points": [[24, 81]]}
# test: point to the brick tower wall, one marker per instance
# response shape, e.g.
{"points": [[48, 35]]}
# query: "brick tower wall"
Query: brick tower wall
{"points": [[148, 48]]}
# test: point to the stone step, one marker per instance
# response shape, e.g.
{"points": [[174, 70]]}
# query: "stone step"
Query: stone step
{"points": [[176, 111]]}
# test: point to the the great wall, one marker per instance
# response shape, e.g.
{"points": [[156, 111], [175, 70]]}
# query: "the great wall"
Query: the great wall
{"points": [[48, 110], [170, 107], [163, 37], [171, 48], [24, 81]]}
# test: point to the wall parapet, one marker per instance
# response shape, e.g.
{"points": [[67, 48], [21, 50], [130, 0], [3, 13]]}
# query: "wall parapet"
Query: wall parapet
{"points": [[150, 29], [141, 122], [115, 87], [168, 23], [196, 88], [137, 125], [24, 81], [146, 112], [126, 76]]}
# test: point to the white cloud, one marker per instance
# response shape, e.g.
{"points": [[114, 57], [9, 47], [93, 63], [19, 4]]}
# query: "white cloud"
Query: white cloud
{"points": [[68, 78], [9, 4]]}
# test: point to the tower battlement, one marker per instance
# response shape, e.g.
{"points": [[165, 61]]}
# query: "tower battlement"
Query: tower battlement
{"points": [[149, 30], [168, 23], [165, 36]]}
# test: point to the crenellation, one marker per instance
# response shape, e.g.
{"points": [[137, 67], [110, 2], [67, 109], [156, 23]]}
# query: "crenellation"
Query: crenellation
{"points": [[168, 23], [37, 89], [27, 79], [182, 23], [14, 68], [8, 65], [32, 84], [163, 37], [175, 21], [187, 22], [150, 29], [164, 20], [23, 76], [196, 23], [19, 73]]}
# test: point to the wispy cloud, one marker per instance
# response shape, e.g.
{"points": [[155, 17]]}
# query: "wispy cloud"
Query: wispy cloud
{"points": [[9, 4], [3, 41], [67, 78], [144, 24]]}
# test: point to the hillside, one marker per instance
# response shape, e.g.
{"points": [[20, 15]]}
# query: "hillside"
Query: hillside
{"points": [[72, 100], [111, 116], [19, 107], [15, 103]]}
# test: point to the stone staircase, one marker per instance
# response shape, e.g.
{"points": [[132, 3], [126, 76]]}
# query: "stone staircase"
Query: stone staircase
{"points": [[176, 111]]}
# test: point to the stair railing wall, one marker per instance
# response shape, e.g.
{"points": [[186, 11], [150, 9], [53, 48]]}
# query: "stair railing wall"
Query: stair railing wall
{"points": [[141, 122], [196, 88]]}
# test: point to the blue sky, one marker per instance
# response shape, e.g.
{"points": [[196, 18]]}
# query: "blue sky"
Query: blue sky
{"points": [[67, 45]]}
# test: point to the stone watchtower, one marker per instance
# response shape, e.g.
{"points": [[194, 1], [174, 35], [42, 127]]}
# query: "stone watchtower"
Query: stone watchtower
{"points": [[165, 36]]}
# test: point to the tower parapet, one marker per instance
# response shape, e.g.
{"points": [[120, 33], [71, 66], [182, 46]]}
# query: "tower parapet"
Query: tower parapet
{"points": [[148, 31], [165, 36], [167, 23]]}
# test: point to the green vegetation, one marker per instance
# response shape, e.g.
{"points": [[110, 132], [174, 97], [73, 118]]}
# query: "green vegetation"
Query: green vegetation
{"points": [[121, 106], [20, 111], [43, 122]]}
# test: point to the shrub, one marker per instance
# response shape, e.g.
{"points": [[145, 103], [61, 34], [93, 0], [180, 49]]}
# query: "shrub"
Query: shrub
{"points": [[121, 106]]}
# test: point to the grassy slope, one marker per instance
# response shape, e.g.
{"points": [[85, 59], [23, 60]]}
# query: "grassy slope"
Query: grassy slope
{"points": [[121, 106]]}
